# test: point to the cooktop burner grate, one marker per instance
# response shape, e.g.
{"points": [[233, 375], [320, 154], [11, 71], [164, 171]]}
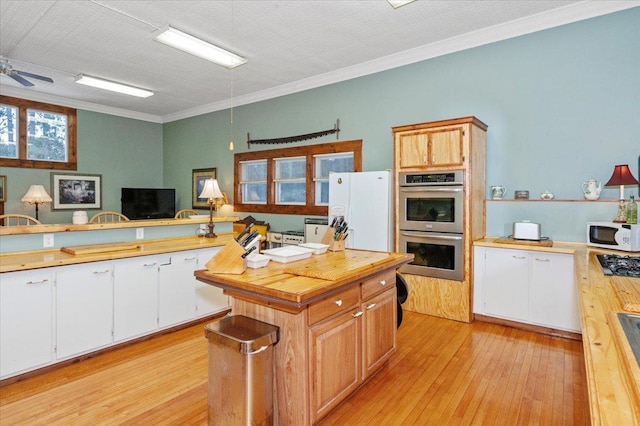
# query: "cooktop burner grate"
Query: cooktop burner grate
{"points": [[624, 266]]}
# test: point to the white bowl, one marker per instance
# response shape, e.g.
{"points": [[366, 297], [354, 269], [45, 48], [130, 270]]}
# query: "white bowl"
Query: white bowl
{"points": [[256, 260], [317, 248]]}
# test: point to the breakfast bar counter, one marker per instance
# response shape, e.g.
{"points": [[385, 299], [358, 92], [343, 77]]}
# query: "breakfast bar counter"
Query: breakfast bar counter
{"points": [[336, 309]]}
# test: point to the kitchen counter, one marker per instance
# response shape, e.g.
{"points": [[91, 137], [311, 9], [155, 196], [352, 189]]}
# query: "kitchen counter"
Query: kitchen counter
{"points": [[612, 377], [21, 261], [346, 318]]}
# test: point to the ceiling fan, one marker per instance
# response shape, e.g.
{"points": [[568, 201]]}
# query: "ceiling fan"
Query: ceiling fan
{"points": [[7, 69]]}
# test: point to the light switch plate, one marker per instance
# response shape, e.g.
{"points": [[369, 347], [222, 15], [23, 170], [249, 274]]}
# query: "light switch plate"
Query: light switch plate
{"points": [[139, 233], [47, 240]]}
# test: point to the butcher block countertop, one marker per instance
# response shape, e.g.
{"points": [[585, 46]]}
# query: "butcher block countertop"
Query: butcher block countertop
{"points": [[21, 261], [613, 375], [296, 284]]}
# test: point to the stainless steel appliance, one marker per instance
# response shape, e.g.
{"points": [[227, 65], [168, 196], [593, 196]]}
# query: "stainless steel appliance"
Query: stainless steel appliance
{"points": [[430, 222], [431, 201], [612, 235], [631, 325], [623, 266], [314, 229]]}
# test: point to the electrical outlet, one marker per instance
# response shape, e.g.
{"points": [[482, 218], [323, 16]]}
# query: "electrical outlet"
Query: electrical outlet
{"points": [[139, 233], [47, 240]]}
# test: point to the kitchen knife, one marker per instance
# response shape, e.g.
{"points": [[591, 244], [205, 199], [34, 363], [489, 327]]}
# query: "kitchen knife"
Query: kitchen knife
{"points": [[249, 251], [244, 231], [247, 239]]}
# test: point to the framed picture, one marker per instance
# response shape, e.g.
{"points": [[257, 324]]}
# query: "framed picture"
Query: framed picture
{"points": [[74, 191], [199, 177], [3, 188], [522, 195]]}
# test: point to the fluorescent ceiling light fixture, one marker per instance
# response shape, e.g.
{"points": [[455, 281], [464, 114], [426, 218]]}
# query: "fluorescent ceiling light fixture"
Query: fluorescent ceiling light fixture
{"points": [[190, 44], [113, 86], [397, 3]]}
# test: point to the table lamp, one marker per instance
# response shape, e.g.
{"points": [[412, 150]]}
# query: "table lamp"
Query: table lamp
{"points": [[621, 176], [36, 195], [211, 192]]}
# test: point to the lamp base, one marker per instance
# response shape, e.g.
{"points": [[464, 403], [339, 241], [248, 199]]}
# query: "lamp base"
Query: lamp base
{"points": [[621, 217], [210, 234]]}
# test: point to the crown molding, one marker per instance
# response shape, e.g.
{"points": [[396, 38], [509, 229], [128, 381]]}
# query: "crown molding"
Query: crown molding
{"points": [[554, 18]]}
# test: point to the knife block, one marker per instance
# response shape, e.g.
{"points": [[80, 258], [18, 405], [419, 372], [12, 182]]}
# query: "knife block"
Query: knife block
{"points": [[334, 245], [228, 260]]}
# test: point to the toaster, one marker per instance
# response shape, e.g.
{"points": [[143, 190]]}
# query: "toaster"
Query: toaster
{"points": [[526, 230]]}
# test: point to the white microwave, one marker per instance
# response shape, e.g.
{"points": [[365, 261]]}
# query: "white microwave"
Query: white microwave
{"points": [[611, 235]]}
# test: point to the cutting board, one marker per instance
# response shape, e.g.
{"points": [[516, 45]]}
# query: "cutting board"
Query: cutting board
{"points": [[628, 292], [336, 265], [510, 240], [99, 248]]}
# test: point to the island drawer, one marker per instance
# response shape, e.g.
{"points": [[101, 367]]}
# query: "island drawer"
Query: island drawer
{"points": [[378, 283], [341, 301]]}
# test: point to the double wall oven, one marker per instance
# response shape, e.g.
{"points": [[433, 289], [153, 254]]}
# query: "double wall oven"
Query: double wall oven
{"points": [[430, 223]]}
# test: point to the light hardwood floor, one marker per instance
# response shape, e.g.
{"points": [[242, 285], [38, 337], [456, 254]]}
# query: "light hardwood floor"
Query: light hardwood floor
{"points": [[444, 372]]}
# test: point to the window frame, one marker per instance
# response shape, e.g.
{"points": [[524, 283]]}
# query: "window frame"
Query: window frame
{"points": [[308, 151], [22, 161]]}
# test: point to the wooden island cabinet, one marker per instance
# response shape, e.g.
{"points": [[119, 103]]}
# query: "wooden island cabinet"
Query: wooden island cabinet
{"points": [[337, 318]]}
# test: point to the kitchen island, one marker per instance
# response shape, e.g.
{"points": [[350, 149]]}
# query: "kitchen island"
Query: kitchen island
{"points": [[613, 375], [337, 317]]}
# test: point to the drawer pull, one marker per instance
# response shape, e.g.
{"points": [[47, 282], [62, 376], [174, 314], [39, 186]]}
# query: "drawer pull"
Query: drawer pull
{"points": [[519, 257], [383, 282], [101, 272], [339, 302], [358, 314], [146, 265], [371, 306], [37, 282], [543, 260], [188, 259]]}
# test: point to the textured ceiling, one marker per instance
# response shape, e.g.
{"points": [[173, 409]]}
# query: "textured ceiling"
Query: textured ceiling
{"points": [[290, 45]]}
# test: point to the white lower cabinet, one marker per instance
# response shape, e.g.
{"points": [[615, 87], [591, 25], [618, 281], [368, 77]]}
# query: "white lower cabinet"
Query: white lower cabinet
{"points": [[534, 287], [135, 297], [84, 308], [209, 299], [26, 321], [177, 293]]}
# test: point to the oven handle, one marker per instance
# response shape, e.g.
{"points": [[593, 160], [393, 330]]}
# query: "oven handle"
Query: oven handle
{"points": [[431, 235], [429, 189]]}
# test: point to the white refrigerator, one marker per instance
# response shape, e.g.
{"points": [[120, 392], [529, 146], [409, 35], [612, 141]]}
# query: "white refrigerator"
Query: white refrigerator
{"points": [[365, 201]]}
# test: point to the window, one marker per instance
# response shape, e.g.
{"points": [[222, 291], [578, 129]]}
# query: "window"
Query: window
{"points": [[292, 180], [37, 135]]}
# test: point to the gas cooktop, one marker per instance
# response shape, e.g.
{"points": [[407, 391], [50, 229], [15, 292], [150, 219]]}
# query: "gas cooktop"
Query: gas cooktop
{"points": [[623, 266]]}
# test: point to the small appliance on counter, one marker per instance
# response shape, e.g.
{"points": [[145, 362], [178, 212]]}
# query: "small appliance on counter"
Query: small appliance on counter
{"points": [[526, 230], [613, 235]]}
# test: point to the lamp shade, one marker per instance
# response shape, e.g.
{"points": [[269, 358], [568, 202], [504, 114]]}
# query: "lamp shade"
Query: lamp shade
{"points": [[36, 195], [211, 190], [621, 176]]}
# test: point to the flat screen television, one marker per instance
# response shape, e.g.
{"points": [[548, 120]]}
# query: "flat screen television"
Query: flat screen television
{"points": [[148, 203]]}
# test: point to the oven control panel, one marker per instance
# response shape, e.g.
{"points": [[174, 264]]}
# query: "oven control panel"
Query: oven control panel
{"points": [[447, 178]]}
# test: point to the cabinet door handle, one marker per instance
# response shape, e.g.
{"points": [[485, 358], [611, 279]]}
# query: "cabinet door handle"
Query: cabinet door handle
{"points": [[383, 282], [339, 302], [519, 257], [101, 272], [146, 265], [371, 306], [37, 282], [543, 260], [188, 259], [358, 314]]}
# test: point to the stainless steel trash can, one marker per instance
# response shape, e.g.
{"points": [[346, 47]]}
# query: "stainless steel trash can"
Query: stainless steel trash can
{"points": [[241, 371]]}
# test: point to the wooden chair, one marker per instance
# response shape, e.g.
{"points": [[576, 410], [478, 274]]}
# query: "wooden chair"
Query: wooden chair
{"points": [[105, 217], [18, 220], [185, 213]]}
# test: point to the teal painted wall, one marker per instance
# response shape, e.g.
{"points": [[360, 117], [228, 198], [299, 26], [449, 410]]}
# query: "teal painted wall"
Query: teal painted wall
{"points": [[125, 152], [562, 106]]}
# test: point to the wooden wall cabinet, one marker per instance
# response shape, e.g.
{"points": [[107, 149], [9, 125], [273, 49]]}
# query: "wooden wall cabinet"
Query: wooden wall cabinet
{"points": [[441, 146]]}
